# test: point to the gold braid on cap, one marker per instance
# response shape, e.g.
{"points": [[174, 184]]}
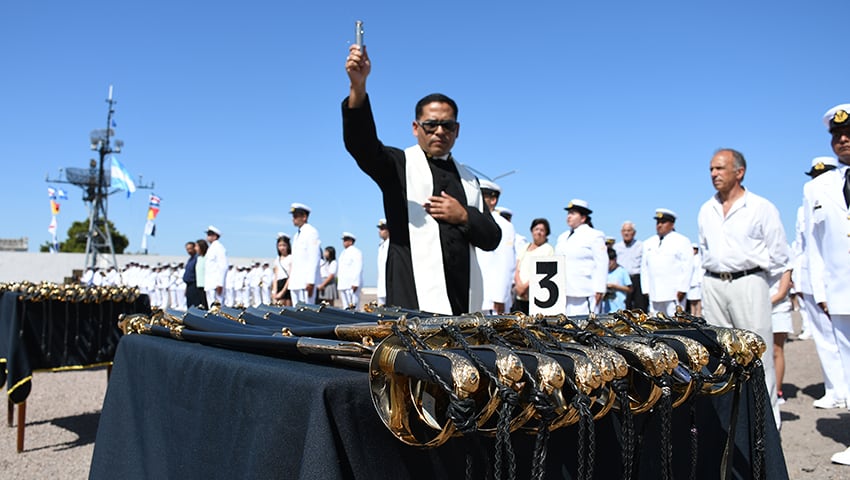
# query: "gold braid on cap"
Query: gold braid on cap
{"points": [[840, 117]]}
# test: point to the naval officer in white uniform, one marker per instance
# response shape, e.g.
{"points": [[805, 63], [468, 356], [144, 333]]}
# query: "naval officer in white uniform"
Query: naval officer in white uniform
{"points": [[826, 206], [497, 266], [585, 258], [666, 265]]}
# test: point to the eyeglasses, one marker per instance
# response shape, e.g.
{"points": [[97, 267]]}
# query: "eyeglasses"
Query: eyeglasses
{"points": [[430, 126]]}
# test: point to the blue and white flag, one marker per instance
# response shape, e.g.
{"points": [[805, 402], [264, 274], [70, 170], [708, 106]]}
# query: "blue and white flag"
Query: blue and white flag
{"points": [[121, 178], [61, 194]]}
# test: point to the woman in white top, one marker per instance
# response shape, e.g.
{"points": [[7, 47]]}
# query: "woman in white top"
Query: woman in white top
{"points": [[539, 247], [327, 270], [780, 285], [282, 266]]}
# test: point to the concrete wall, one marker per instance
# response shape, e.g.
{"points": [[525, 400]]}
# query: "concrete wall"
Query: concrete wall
{"points": [[55, 267]]}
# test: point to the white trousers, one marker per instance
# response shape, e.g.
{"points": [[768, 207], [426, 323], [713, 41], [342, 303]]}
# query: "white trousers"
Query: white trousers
{"points": [[825, 336], [301, 296], [667, 308], [841, 324], [580, 305], [349, 297], [212, 297], [744, 303]]}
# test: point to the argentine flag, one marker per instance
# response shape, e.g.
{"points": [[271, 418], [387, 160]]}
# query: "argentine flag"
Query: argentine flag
{"points": [[121, 177]]}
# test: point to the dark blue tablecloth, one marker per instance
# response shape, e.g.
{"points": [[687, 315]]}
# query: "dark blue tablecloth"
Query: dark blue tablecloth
{"points": [[180, 410], [55, 335]]}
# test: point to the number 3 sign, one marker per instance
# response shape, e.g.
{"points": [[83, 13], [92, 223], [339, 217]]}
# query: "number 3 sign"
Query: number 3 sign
{"points": [[547, 293]]}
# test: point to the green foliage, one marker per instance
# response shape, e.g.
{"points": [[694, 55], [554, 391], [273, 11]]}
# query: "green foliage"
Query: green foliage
{"points": [[77, 235]]}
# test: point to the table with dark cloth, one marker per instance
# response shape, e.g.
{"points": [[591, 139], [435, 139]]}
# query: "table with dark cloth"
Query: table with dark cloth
{"points": [[177, 409], [57, 335]]}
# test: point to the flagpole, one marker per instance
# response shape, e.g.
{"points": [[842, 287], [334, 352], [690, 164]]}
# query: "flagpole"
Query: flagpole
{"points": [[96, 182]]}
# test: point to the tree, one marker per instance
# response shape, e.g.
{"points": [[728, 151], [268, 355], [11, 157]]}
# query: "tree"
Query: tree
{"points": [[78, 234]]}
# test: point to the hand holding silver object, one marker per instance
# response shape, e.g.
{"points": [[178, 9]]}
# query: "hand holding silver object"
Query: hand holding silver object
{"points": [[358, 33]]}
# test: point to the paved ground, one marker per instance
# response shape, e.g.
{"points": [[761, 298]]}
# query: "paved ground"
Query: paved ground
{"points": [[64, 408]]}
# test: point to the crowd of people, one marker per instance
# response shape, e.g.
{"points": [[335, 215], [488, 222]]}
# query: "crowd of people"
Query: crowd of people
{"points": [[740, 272], [448, 247]]}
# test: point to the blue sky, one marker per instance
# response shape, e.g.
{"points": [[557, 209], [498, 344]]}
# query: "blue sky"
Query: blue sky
{"points": [[233, 109]]}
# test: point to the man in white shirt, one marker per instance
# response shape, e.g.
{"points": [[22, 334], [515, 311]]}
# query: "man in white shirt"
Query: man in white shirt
{"points": [[383, 248], [215, 272], [629, 255], [497, 266], [350, 272], [306, 256], [666, 265], [826, 206], [743, 244]]}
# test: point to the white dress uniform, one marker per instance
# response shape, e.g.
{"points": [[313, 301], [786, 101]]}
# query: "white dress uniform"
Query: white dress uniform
{"points": [[666, 268], [215, 272], [88, 277], [497, 268], [695, 290], [241, 286], [383, 249], [350, 274], [266, 279], [586, 259], [306, 256], [254, 280], [179, 289], [230, 287], [163, 279], [827, 240]]}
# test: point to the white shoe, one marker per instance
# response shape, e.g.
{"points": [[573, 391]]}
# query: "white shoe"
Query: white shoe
{"points": [[805, 335], [780, 401], [826, 402], [842, 457]]}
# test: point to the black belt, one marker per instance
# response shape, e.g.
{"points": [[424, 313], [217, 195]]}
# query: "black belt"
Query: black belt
{"points": [[733, 275]]}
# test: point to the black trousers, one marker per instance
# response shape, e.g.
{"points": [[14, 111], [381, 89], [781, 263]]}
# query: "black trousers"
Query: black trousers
{"points": [[636, 299], [194, 296]]}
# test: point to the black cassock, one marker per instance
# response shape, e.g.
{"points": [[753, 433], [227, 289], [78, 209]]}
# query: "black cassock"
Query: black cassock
{"points": [[386, 166]]}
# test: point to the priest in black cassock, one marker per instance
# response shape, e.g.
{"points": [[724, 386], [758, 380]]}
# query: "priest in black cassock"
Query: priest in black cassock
{"points": [[432, 203]]}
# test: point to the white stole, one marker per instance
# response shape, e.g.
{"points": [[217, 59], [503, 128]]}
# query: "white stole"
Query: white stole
{"points": [[425, 248]]}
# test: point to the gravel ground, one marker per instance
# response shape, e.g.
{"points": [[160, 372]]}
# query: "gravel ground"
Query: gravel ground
{"points": [[63, 410]]}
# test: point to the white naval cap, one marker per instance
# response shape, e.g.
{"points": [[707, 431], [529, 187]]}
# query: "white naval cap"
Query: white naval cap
{"points": [[382, 223], [504, 211], [488, 185], [822, 164], [580, 205], [665, 214], [299, 207], [837, 116], [348, 235], [212, 229]]}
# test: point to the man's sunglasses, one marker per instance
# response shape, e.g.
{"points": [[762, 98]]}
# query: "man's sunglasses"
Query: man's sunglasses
{"points": [[430, 126]]}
